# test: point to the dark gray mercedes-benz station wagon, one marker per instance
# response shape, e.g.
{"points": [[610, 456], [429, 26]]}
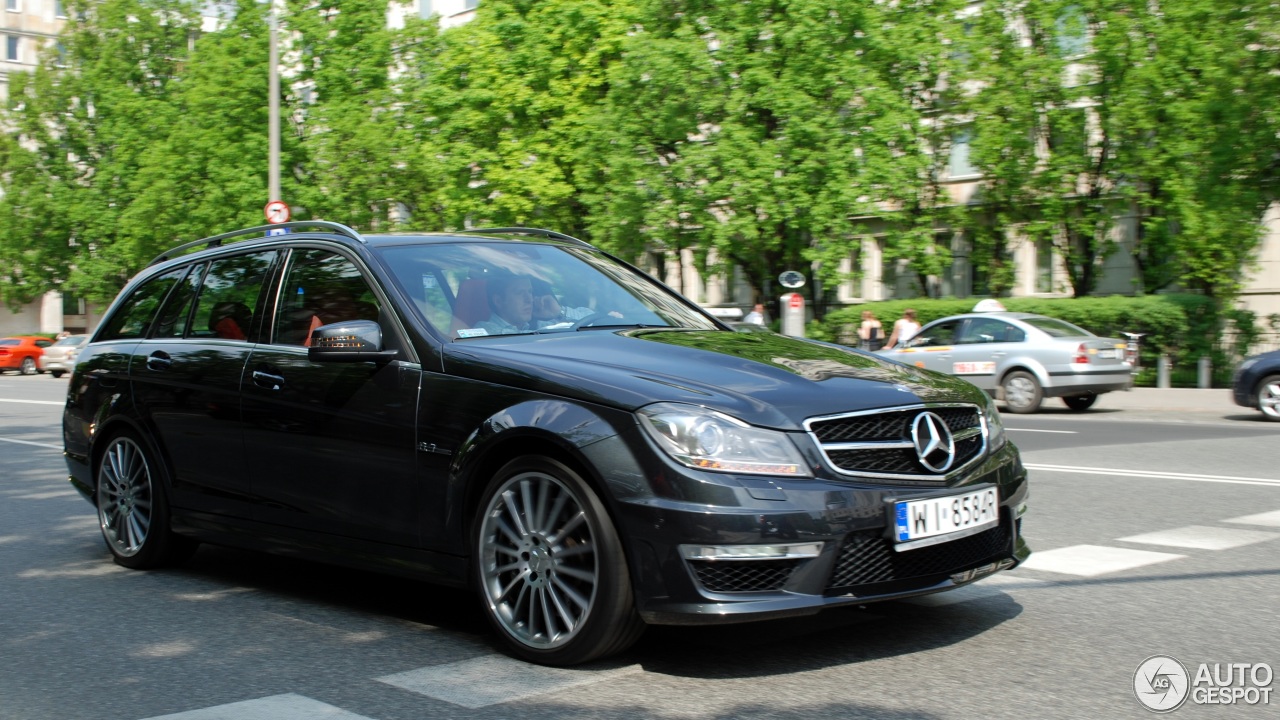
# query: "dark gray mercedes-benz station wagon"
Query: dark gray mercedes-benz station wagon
{"points": [[514, 410]]}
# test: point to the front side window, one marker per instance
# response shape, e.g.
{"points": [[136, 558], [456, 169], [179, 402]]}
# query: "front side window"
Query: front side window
{"points": [[227, 304], [132, 319], [321, 287], [474, 290], [943, 333]]}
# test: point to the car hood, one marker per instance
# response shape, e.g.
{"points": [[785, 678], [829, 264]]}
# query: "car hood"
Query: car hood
{"points": [[762, 378]]}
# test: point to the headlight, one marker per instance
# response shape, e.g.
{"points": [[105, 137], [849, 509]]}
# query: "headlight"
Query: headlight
{"points": [[995, 428], [708, 440]]}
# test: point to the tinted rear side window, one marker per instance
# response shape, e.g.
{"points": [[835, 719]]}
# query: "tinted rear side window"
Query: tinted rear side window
{"points": [[227, 305], [133, 318]]}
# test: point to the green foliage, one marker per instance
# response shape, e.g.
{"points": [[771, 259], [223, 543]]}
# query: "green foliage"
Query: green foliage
{"points": [[760, 135]]}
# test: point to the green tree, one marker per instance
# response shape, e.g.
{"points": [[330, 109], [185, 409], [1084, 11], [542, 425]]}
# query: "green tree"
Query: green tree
{"points": [[83, 131]]}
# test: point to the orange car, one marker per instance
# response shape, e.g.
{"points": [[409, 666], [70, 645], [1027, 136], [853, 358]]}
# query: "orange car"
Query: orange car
{"points": [[22, 353]]}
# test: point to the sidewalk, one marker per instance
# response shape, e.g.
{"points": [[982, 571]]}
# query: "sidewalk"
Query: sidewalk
{"points": [[1216, 401]]}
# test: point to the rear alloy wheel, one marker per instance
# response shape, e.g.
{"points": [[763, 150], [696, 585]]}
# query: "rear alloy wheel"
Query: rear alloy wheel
{"points": [[1080, 403], [132, 508], [1269, 397], [28, 367], [550, 567], [1022, 393]]}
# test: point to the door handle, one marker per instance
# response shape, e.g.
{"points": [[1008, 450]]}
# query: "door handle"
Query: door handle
{"points": [[268, 380], [999, 353], [159, 361]]}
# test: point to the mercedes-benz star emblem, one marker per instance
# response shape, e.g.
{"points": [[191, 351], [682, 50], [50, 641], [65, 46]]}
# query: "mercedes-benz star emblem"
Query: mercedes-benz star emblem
{"points": [[934, 443]]}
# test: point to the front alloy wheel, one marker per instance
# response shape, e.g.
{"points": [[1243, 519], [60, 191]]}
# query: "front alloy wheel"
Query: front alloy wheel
{"points": [[550, 566], [1269, 397], [1022, 393], [28, 367]]}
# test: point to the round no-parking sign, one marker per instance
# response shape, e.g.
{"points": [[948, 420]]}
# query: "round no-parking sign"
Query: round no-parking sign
{"points": [[277, 211]]}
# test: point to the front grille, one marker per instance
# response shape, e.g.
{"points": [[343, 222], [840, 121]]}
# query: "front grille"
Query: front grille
{"points": [[734, 576], [879, 443], [867, 559]]}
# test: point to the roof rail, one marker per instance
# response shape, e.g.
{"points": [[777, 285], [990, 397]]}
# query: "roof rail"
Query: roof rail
{"points": [[216, 240], [537, 232]]}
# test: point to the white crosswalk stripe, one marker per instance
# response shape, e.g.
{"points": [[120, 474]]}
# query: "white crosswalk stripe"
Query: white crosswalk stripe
{"points": [[1269, 519], [1093, 560], [1202, 537], [275, 707], [493, 679]]}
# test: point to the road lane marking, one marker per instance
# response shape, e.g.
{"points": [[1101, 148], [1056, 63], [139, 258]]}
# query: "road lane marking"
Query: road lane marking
{"points": [[290, 706], [1155, 475], [28, 442], [35, 402], [1056, 432], [1093, 560], [1202, 537], [490, 680], [1269, 519]]}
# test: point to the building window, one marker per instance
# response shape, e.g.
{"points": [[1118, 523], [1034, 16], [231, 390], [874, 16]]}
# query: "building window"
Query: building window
{"points": [[470, 4], [425, 10], [72, 305], [13, 5], [958, 165], [59, 10], [1071, 32], [11, 47], [1044, 266]]}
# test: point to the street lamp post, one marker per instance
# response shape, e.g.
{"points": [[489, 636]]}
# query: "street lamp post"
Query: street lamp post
{"points": [[273, 105]]}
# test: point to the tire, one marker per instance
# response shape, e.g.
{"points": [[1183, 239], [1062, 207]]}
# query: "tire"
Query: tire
{"points": [[28, 367], [1268, 396], [1080, 403], [1022, 392], [133, 509], [56, 373], [549, 567]]}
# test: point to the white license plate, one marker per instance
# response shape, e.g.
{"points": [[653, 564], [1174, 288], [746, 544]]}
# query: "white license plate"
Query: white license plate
{"points": [[938, 519], [1109, 353]]}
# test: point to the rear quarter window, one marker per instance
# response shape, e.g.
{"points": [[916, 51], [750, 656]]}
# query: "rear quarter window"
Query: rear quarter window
{"points": [[132, 319]]}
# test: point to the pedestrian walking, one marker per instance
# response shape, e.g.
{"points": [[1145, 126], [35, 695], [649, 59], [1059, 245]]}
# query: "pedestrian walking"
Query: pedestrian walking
{"points": [[904, 328], [870, 333]]}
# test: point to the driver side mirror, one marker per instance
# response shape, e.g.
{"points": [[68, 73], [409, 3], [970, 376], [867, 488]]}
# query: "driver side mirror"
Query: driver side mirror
{"points": [[349, 341]]}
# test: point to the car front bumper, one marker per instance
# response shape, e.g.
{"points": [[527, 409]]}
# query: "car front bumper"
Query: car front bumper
{"points": [[857, 562]]}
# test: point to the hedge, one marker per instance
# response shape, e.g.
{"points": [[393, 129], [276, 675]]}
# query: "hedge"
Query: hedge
{"points": [[1183, 326]]}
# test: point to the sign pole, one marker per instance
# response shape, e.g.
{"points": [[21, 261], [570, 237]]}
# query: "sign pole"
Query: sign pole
{"points": [[273, 105]]}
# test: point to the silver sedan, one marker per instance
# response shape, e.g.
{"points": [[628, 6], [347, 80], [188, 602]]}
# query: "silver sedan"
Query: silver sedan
{"points": [[1021, 358]]}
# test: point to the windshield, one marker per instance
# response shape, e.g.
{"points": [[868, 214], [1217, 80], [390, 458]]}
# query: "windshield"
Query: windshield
{"points": [[70, 340], [1056, 328], [476, 290]]}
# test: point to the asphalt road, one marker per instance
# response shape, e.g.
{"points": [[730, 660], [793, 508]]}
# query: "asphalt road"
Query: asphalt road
{"points": [[1151, 538]]}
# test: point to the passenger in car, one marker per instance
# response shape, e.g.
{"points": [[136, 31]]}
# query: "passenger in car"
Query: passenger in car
{"points": [[229, 320]]}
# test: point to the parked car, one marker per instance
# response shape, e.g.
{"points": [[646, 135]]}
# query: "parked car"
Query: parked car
{"points": [[391, 402], [1021, 358], [1257, 384], [60, 357], [22, 353]]}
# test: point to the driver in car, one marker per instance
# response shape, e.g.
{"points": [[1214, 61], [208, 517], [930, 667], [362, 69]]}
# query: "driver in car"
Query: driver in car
{"points": [[548, 311], [511, 302]]}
